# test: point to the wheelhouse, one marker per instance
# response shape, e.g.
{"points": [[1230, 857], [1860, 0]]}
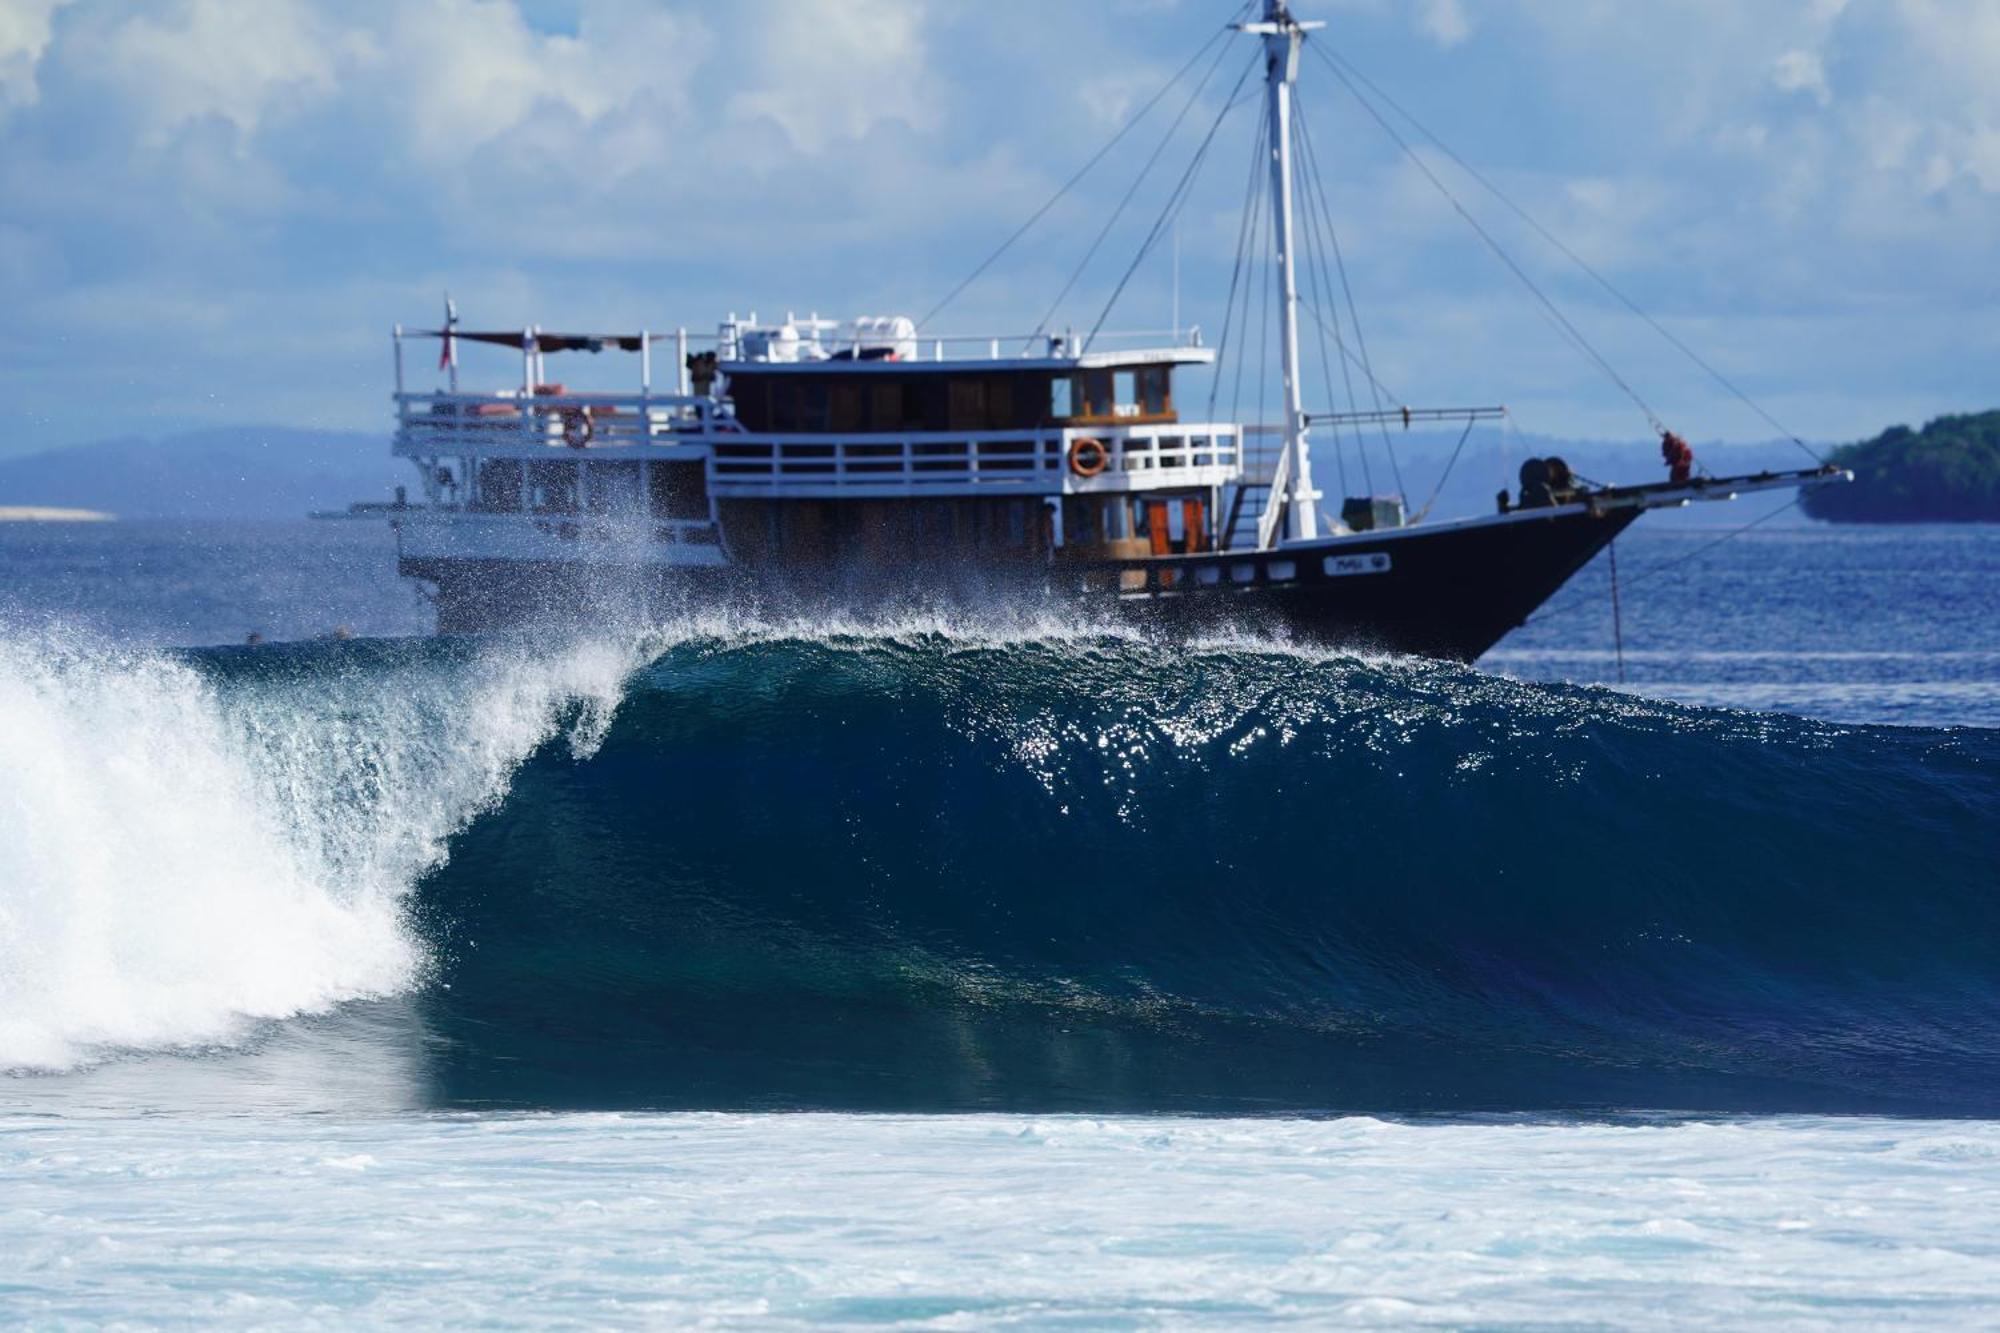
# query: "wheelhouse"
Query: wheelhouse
{"points": [[1023, 454]]}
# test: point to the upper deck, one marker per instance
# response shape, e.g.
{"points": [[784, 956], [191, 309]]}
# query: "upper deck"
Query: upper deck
{"points": [[777, 413]]}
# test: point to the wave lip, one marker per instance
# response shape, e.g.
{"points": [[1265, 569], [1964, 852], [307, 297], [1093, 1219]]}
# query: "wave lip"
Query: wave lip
{"points": [[192, 844]]}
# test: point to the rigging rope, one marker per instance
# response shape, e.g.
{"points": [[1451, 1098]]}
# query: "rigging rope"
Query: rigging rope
{"points": [[1315, 277], [1617, 612], [1575, 258], [1445, 476], [1665, 565], [1225, 31], [1316, 190], [1260, 239], [1131, 192], [1176, 200], [1499, 251], [1236, 270], [1264, 333]]}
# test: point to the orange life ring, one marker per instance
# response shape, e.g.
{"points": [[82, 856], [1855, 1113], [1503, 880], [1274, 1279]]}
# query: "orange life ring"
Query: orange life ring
{"points": [[1088, 457], [577, 427]]}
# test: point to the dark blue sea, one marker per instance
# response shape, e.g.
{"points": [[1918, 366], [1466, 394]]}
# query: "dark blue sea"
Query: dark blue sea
{"points": [[1003, 968]]}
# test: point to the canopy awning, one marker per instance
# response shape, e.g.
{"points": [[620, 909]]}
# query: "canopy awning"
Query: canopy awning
{"points": [[545, 342]]}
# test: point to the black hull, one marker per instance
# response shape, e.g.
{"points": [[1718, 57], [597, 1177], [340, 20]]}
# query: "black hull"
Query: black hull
{"points": [[1449, 591], [1452, 591]]}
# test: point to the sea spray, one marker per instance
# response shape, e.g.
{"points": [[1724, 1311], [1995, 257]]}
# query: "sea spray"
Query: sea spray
{"points": [[189, 844]]}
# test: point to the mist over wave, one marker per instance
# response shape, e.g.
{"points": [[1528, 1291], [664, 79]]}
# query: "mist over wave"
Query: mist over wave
{"points": [[1034, 865]]}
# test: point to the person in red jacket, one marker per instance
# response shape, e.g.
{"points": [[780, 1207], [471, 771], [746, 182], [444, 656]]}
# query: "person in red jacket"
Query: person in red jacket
{"points": [[1679, 457]]}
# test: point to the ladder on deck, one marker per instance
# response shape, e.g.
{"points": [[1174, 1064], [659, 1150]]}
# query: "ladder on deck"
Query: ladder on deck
{"points": [[1259, 505]]}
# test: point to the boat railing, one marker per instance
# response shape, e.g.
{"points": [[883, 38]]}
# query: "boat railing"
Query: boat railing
{"points": [[1039, 460], [817, 346], [594, 420]]}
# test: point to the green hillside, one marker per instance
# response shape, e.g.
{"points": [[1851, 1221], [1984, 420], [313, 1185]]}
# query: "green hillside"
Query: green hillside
{"points": [[1949, 472]]}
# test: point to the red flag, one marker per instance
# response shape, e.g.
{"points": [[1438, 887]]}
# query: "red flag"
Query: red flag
{"points": [[445, 348]]}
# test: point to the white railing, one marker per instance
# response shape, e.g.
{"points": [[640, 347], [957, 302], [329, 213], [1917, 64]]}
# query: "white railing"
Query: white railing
{"points": [[817, 346], [1134, 457], [454, 421], [914, 462], [1152, 450]]}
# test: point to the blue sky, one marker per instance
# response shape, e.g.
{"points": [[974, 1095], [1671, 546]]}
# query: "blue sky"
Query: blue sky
{"points": [[212, 210]]}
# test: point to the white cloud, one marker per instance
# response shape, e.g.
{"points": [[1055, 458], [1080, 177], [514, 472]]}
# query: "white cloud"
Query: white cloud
{"points": [[1446, 22], [209, 58], [821, 71], [24, 34], [662, 160], [1802, 72]]}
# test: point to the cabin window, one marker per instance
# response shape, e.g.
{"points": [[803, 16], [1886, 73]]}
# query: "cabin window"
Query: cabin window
{"points": [[1117, 520], [752, 397], [1141, 520], [678, 490], [552, 488], [1080, 520], [784, 405], [1059, 398], [847, 411], [499, 486], [1125, 393], [885, 405], [968, 405], [612, 488], [1154, 399], [1000, 403], [1095, 386], [815, 405]]}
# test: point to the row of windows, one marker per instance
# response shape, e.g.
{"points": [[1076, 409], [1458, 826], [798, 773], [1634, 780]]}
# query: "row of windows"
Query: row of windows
{"points": [[1017, 400], [1179, 524], [571, 486]]}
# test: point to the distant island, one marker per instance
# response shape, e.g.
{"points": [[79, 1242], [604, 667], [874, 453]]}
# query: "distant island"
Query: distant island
{"points": [[219, 472], [1948, 472], [51, 514]]}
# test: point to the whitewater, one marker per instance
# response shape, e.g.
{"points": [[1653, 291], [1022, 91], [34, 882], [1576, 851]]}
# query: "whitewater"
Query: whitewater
{"points": [[183, 860], [621, 980], [1001, 1221]]}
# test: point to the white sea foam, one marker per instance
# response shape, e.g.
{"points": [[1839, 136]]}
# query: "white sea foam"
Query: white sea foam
{"points": [[998, 1221], [180, 859]]}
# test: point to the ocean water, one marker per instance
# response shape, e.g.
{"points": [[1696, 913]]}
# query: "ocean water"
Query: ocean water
{"points": [[997, 969]]}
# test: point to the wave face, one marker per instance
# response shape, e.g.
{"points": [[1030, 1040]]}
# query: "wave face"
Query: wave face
{"points": [[1048, 870], [1086, 872]]}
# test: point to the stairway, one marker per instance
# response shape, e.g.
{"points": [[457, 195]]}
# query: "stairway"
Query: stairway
{"points": [[1247, 502], [1253, 513]]}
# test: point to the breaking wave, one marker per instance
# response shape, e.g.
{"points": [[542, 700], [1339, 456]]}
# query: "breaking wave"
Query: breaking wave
{"points": [[189, 844], [1044, 868]]}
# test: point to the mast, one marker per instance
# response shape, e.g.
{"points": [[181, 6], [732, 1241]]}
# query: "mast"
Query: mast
{"points": [[1282, 35]]}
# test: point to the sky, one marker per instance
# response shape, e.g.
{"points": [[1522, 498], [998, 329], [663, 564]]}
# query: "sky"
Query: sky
{"points": [[213, 211]]}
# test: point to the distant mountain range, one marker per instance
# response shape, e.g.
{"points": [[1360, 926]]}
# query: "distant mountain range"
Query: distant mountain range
{"points": [[224, 472], [267, 472]]}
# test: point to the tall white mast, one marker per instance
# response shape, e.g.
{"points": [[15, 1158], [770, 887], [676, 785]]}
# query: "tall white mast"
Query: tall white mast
{"points": [[1282, 35]]}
